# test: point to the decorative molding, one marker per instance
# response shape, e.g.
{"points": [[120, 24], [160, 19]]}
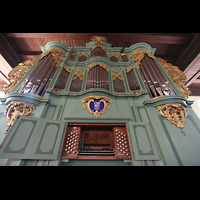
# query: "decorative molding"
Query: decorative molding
{"points": [[100, 64], [16, 108], [99, 39], [56, 53], [177, 76], [18, 72], [175, 113], [139, 55], [98, 107]]}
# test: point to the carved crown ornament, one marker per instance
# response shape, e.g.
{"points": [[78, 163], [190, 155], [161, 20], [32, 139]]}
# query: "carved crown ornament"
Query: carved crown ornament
{"points": [[17, 73], [96, 105], [16, 108], [175, 113], [99, 39]]}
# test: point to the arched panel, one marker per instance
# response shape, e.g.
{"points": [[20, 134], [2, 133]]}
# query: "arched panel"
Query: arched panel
{"points": [[97, 76], [98, 51]]}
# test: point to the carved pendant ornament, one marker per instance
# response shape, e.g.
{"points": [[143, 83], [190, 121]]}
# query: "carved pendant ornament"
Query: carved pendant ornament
{"points": [[96, 105], [175, 113], [16, 108]]}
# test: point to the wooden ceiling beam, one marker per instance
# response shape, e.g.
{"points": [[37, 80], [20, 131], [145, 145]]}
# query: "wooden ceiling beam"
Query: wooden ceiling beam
{"points": [[193, 79], [194, 91], [8, 52], [167, 38], [192, 50]]}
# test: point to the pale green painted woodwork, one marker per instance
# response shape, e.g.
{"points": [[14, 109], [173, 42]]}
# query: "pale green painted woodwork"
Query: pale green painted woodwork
{"points": [[37, 139]]}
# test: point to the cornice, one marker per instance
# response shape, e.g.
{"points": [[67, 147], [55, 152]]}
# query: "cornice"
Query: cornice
{"points": [[168, 99], [58, 45], [139, 46]]}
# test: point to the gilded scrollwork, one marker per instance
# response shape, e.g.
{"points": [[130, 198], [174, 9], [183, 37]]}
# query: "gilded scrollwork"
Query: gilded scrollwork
{"points": [[17, 73], [139, 55], [119, 76], [81, 76], [16, 108], [175, 113], [56, 53], [177, 76]]}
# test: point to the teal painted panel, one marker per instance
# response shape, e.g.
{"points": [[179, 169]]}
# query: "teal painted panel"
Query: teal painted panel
{"points": [[49, 140], [19, 139], [142, 141], [33, 138]]}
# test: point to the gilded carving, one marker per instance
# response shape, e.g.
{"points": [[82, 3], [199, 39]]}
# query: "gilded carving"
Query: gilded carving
{"points": [[99, 39], [81, 76], [97, 111], [119, 76], [138, 55], [136, 91], [17, 73], [123, 54], [177, 76], [175, 113], [16, 108], [100, 64], [56, 53], [99, 46], [83, 54], [79, 70], [127, 70], [116, 70], [113, 54], [68, 69]]}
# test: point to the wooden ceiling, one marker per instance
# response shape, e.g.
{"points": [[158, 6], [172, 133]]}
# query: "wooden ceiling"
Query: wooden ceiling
{"points": [[180, 49]]}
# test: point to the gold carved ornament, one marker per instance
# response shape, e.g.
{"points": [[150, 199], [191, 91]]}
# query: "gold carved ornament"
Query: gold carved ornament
{"points": [[16, 108], [83, 54], [99, 39], [113, 54], [86, 103], [125, 54], [119, 76], [80, 76], [17, 73], [79, 70], [139, 55], [98, 46], [177, 76], [56, 53], [175, 113], [100, 64], [116, 70]]}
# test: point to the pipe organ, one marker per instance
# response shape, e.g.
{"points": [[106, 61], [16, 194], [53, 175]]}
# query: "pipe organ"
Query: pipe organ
{"points": [[98, 105]]}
